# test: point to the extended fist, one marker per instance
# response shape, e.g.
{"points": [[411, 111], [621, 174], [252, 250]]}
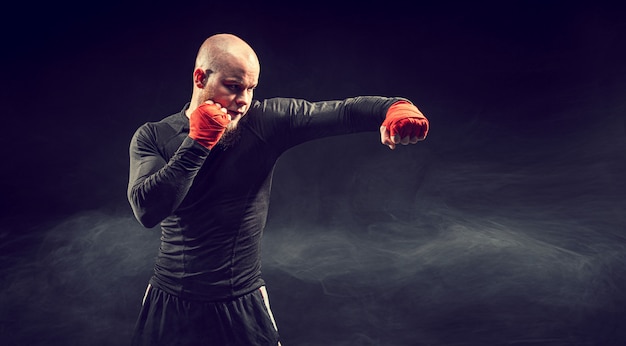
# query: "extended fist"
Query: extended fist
{"points": [[207, 123], [403, 124]]}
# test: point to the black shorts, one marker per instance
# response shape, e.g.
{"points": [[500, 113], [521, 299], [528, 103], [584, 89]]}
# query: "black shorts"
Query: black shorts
{"points": [[168, 320]]}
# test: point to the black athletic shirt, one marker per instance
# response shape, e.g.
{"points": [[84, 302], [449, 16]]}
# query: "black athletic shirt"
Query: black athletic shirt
{"points": [[213, 204]]}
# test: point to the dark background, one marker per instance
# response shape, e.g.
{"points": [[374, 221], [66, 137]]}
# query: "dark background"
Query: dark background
{"points": [[505, 227]]}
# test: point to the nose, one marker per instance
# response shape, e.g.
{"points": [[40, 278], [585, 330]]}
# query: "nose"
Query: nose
{"points": [[244, 98]]}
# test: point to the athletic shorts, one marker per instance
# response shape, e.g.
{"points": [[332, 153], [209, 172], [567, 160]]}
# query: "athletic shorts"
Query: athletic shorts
{"points": [[167, 320]]}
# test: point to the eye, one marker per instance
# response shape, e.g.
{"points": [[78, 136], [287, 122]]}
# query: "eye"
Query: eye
{"points": [[233, 87]]}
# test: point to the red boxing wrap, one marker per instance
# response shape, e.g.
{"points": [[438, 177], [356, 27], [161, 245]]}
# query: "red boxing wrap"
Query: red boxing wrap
{"points": [[403, 120], [207, 124]]}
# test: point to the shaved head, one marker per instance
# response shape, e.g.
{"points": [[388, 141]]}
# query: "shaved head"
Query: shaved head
{"points": [[218, 50]]}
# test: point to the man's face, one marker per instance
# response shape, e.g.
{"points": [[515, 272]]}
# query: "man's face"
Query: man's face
{"points": [[233, 87]]}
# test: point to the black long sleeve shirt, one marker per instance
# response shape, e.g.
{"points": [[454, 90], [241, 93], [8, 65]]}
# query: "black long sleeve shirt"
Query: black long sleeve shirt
{"points": [[212, 204]]}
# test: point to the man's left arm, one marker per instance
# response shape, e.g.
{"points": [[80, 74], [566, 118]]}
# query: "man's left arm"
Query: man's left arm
{"points": [[288, 122]]}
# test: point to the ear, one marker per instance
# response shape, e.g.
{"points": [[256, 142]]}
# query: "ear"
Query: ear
{"points": [[200, 78]]}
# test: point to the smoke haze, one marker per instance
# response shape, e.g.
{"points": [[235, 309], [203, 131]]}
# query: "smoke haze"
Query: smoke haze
{"points": [[510, 251]]}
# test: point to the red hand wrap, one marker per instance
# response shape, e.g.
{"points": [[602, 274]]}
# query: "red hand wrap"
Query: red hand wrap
{"points": [[207, 124], [405, 120]]}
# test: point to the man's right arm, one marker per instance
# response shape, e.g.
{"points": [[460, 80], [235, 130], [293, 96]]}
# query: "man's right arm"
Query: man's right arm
{"points": [[156, 187]]}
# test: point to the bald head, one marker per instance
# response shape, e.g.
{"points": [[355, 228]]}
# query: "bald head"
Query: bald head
{"points": [[218, 50]]}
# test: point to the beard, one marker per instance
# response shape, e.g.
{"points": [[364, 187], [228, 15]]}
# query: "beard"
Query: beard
{"points": [[230, 137]]}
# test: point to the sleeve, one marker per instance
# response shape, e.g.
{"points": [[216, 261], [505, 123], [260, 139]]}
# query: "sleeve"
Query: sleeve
{"points": [[299, 120], [156, 187]]}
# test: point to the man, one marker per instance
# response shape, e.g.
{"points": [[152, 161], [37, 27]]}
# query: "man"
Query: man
{"points": [[205, 173]]}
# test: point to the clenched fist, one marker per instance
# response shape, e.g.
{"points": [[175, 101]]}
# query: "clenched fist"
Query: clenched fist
{"points": [[403, 124], [207, 123]]}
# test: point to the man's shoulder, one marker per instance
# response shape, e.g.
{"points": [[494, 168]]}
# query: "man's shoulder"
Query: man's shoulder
{"points": [[275, 106], [162, 132], [170, 124]]}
